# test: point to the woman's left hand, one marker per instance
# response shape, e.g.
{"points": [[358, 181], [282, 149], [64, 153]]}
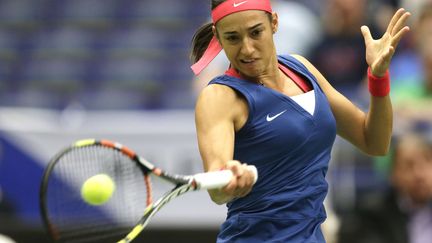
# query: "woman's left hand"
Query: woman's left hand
{"points": [[379, 52]]}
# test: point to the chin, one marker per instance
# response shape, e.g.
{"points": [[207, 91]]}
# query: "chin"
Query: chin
{"points": [[250, 72]]}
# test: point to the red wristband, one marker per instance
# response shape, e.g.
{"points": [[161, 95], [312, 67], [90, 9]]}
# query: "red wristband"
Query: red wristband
{"points": [[379, 86]]}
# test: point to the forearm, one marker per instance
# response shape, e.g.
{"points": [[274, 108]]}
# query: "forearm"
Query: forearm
{"points": [[379, 120], [214, 161], [378, 125]]}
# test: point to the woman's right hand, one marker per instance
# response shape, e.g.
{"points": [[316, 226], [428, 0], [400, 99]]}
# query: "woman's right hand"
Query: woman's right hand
{"points": [[240, 185], [242, 181]]}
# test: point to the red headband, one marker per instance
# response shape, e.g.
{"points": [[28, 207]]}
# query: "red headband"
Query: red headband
{"points": [[226, 8]]}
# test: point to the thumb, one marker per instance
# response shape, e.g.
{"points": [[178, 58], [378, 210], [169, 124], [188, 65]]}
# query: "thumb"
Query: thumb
{"points": [[235, 167], [366, 33]]}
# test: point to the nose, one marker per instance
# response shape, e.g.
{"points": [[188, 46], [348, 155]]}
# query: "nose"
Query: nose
{"points": [[247, 47]]}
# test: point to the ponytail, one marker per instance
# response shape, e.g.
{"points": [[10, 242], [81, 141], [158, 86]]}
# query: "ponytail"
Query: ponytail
{"points": [[200, 41]]}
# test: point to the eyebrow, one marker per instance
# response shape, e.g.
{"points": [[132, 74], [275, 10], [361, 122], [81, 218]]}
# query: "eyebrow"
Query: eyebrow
{"points": [[250, 28]]}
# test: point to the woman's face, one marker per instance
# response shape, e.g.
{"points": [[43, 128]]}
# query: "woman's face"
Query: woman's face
{"points": [[247, 39]]}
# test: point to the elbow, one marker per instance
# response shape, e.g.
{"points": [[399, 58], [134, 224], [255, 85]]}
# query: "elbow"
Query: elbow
{"points": [[378, 151], [377, 146]]}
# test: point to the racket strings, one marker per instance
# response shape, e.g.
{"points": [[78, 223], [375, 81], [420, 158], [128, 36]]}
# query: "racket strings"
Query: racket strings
{"points": [[72, 219]]}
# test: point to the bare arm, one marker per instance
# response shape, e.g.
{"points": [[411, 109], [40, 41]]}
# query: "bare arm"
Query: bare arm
{"points": [[369, 132], [217, 115]]}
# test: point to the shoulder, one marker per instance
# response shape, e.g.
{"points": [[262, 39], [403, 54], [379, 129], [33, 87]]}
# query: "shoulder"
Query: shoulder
{"points": [[219, 100], [217, 94], [298, 61], [219, 105], [302, 60]]}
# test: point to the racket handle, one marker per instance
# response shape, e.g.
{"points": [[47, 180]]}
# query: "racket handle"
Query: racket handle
{"points": [[219, 179]]}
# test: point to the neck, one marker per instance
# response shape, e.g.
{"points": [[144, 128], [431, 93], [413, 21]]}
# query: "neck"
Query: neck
{"points": [[271, 77]]}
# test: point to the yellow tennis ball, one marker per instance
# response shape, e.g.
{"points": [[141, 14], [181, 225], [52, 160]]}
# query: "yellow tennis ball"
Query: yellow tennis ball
{"points": [[97, 189]]}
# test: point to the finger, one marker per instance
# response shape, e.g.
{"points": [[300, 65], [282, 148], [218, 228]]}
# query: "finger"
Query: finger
{"points": [[231, 163], [394, 19], [231, 187], [245, 180], [244, 168], [366, 33], [396, 39], [244, 189], [237, 188], [400, 24]]}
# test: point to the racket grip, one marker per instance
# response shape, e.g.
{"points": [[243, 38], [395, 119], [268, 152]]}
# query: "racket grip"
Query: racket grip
{"points": [[219, 179]]}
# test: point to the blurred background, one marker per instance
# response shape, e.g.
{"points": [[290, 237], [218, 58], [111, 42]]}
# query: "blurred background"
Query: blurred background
{"points": [[119, 69]]}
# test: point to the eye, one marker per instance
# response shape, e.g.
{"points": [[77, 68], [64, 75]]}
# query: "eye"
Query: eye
{"points": [[256, 33], [231, 38]]}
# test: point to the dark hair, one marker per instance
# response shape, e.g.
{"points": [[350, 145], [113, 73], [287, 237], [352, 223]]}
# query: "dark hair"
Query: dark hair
{"points": [[203, 36], [422, 139]]}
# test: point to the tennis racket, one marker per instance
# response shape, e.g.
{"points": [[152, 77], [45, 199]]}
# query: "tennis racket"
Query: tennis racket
{"points": [[68, 218]]}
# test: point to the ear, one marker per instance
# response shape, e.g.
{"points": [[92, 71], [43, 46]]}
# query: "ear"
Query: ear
{"points": [[274, 22], [215, 32]]}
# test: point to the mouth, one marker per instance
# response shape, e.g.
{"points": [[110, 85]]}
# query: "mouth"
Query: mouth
{"points": [[248, 61]]}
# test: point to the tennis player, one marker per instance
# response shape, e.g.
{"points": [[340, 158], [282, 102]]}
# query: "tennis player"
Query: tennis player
{"points": [[280, 114]]}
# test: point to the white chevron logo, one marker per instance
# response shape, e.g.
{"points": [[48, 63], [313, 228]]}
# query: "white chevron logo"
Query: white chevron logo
{"points": [[238, 4], [271, 118]]}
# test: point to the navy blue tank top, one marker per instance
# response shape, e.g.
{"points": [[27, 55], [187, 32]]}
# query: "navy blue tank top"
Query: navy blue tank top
{"points": [[291, 150]]}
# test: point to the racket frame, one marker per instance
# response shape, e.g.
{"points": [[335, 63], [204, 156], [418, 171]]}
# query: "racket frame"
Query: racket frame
{"points": [[183, 184]]}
